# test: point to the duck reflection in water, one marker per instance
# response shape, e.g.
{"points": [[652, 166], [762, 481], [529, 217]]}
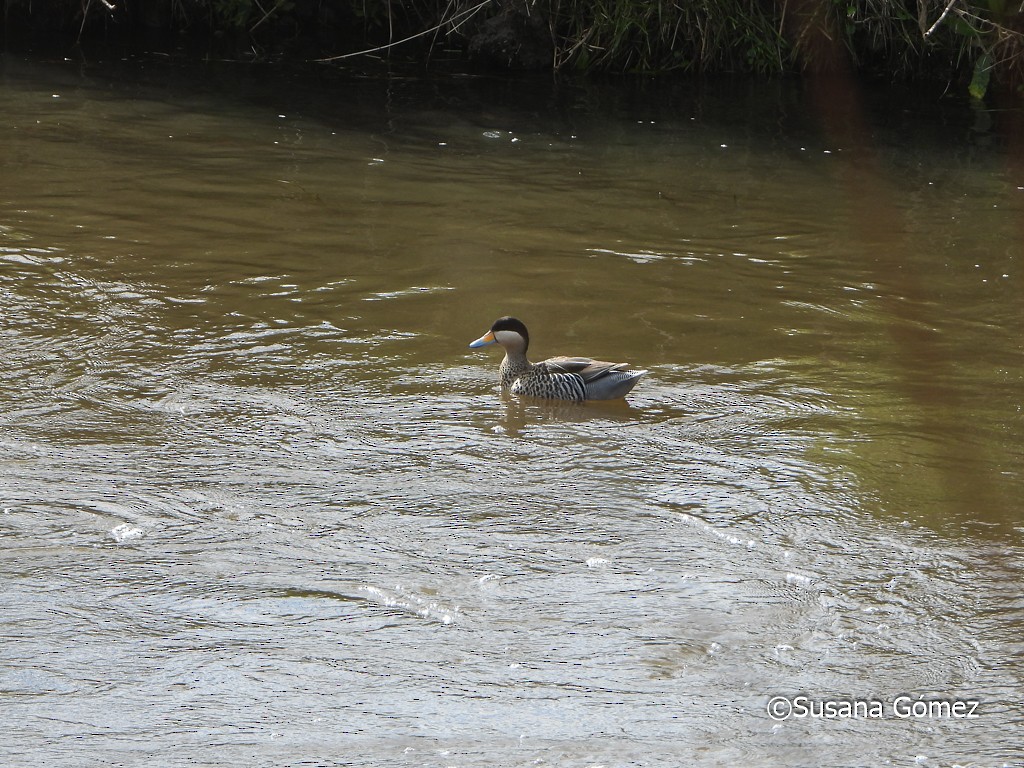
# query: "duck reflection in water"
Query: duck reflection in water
{"points": [[522, 413]]}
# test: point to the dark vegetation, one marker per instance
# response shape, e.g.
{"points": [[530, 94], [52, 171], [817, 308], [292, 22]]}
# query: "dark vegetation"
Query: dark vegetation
{"points": [[970, 42]]}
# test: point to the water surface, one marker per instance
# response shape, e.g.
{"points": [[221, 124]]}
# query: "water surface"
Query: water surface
{"points": [[261, 505]]}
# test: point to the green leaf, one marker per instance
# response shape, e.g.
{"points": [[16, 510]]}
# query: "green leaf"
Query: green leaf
{"points": [[961, 27], [982, 73]]}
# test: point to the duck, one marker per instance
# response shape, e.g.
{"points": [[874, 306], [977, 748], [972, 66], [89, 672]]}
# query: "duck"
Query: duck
{"points": [[557, 378]]}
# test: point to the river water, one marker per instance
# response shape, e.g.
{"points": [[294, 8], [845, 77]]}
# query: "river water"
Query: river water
{"points": [[261, 505]]}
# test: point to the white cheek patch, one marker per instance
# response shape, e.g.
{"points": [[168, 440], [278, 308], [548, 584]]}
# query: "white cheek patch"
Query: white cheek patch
{"points": [[508, 337]]}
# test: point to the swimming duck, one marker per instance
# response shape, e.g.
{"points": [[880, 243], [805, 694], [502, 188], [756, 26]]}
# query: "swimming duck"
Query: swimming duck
{"points": [[558, 378]]}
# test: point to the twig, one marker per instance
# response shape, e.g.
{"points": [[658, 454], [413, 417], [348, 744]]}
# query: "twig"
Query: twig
{"points": [[563, 56], [433, 42], [455, 27], [467, 13], [85, 14], [939, 20], [266, 14]]}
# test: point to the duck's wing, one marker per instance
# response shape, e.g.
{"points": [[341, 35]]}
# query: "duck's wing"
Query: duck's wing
{"points": [[601, 380], [589, 370]]}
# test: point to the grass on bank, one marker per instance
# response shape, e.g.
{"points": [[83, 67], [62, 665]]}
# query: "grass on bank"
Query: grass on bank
{"points": [[974, 40]]}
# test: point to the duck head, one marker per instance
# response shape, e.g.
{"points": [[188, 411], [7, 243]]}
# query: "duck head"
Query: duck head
{"points": [[509, 332]]}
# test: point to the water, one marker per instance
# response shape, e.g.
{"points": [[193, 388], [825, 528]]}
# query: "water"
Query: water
{"points": [[261, 505]]}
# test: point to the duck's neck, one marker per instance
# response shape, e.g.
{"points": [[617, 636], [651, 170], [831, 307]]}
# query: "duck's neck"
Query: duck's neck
{"points": [[513, 366]]}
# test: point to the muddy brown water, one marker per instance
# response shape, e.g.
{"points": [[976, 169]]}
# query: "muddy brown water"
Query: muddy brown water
{"points": [[260, 504]]}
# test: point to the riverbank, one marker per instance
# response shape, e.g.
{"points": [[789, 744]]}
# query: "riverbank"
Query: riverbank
{"points": [[975, 45]]}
